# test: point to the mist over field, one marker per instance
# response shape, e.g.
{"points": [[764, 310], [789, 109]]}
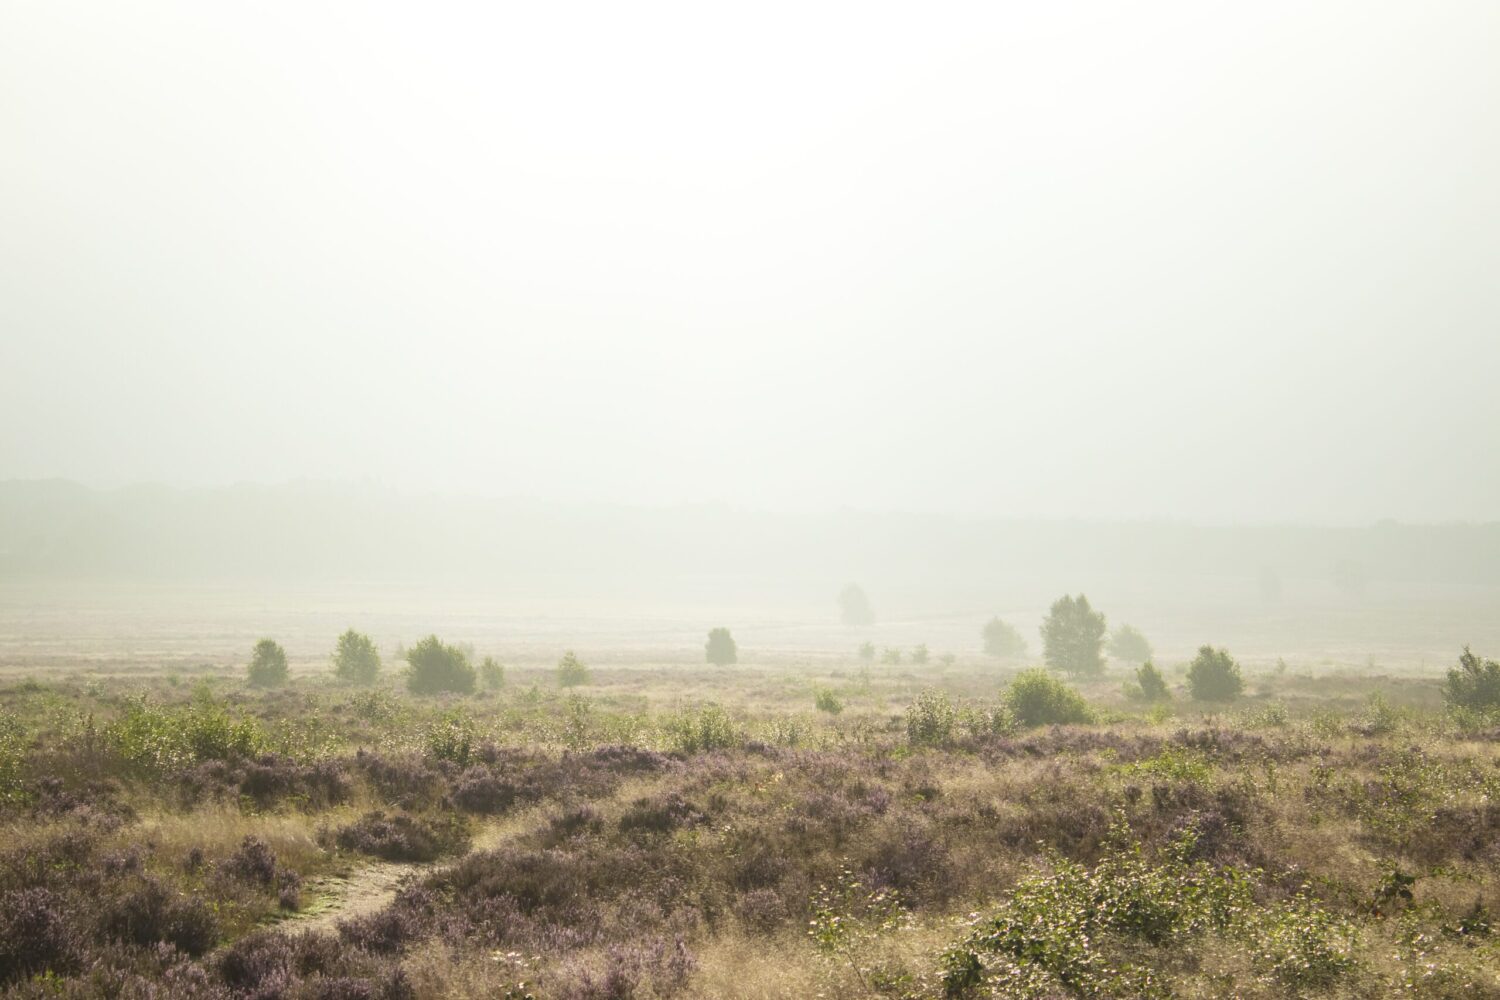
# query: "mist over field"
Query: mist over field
{"points": [[680, 501]]}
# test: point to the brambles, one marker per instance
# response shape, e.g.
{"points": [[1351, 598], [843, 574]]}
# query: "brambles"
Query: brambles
{"points": [[433, 667], [1214, 676], [721, 650], [1036, 698], [1474, 684], [267, 665], [1002, 640], [1073, 637], [356, 660], [571, 671]]}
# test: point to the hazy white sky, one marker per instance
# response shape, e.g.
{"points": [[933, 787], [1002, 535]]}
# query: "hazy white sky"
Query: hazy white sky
{"points": [[1204, 260]]}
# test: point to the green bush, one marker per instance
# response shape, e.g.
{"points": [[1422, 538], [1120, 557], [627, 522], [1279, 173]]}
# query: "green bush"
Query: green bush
{"points": [[930, 720], [1079, 931], [451, 738], [710, 728], [12, 757], [867, 652], [571, 671], [827, 701], [1474, 684], [1036, 698], [492, 674], [154, 739], [267, 665], [433, 667], [721, 650], [356, 660], [1073, 637], [1127, 643], [1002, 640], [920, 654], [1150, 685], [1214, 676]]}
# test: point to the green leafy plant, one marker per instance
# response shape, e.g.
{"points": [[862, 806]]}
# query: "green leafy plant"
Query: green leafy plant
{"points": [[1036, 698], [356, 660], [433, 667], [267, 665], [571, 671], [1214, 676]]}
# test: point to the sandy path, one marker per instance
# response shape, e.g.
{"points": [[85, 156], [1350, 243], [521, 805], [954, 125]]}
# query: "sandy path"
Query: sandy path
{"points": [[366, 889]]}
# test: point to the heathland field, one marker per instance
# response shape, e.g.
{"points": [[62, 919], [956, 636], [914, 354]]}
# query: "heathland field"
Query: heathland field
{"points": [[807, 821]]}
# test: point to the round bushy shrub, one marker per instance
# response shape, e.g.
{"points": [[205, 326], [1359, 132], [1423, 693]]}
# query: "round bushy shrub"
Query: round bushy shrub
{"points": [[1214, 676], [433, 667], [571, 671], [267, 664], [356, 660], [1036, 698]]}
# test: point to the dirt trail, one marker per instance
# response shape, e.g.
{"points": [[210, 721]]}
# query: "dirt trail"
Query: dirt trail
{"points": [[364, 890]]}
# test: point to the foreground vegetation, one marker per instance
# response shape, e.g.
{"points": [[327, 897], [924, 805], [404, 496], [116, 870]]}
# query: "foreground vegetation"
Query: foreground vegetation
{"points": [[952, 829]]}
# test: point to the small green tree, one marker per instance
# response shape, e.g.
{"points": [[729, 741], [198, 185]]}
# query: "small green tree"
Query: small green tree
{"points": [[854, 606], [930, 720], [1073, 637], [571, 671], [1002, 640], [1473, 684], [721, 650], [827, 701], [1127, 643], [890, 655], [919, 655], [492, 674], [1150, 684], [1036, 698], [433, 667], [867, 652], [1214, 676], [356, 660], [267, 665]]}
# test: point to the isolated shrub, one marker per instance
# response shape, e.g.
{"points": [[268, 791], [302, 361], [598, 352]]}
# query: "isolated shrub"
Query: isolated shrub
{"points": [[492, 674], [930, 720], [267, 664], [571, 671], [854, 606], [1036, 698], [920, 654], [1214, 676], [1150, 684], [890, 655], [1002, 640], [867, 652], [1127, 643], [709, 728], [253, 862], [356, 660], [827, 701], [1473, 684], [433, 667], [721, 650], [1073, 637], [451, 737]]}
